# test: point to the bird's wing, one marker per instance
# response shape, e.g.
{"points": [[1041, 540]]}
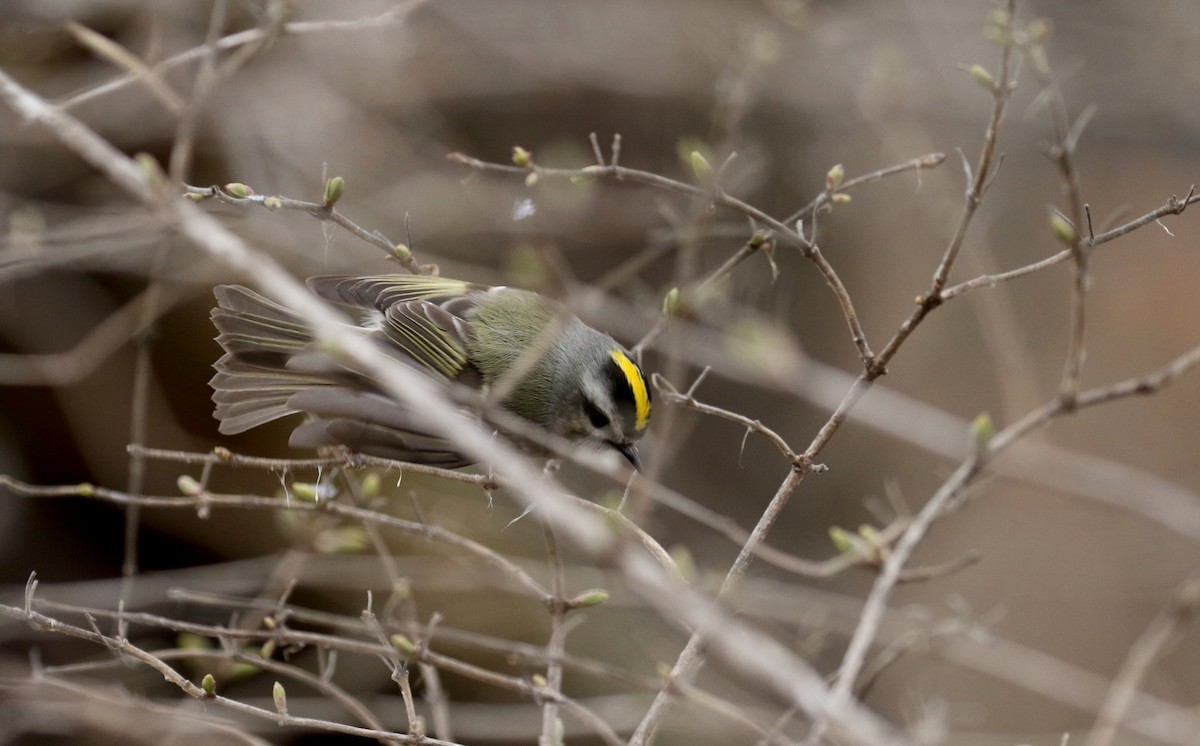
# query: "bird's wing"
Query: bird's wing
{"points": [[423, 317], [381, 292], [431, 335]]}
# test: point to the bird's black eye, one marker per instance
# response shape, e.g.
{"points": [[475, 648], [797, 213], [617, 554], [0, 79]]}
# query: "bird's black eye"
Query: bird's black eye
{"points": [[598, 419]]}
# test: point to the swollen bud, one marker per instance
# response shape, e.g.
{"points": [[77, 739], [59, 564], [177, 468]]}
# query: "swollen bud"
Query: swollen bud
{"points": [[272, 203], [150, 169], [594, 597], [280, 697], [671, 302], [402, 643], [833, 178], [522, 157], [209, 685], [188, 486], [305, 491], [334, 189], [985, 79], [700, 167], [843, 540], [402, 252], [238, 189], [982, 431], [1063, 230]]}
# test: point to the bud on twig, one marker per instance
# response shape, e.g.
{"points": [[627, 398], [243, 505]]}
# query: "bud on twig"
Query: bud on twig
{"points": [[671, 302], [1063, 230], [209, 685], [238, 189], [334, 189], [833, 177], [280, 697], [521, 157], [402, 643], [700, 167], [593, 597], [982, 431], [981, 76]]}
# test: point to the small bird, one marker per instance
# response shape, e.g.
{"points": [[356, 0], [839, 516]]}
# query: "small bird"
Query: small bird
{"points": [[578, 383]]}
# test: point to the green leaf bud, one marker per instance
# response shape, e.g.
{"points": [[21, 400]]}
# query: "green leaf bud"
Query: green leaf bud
{"points": [[834, 177], [844, 541], [593, 597], [1063, 230], [982, 431], [985, 79], [671, 302], [334, 189], [700, 167]]}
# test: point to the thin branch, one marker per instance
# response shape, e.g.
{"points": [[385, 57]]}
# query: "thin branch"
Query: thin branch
{"points": [[1161, 632], [244, 38], [1173, 206], [208, 500], [108, 336], [951, 490], [717, 197], [320, 211], [918, 164], [688, 401], [224, 456], [556, 645]]}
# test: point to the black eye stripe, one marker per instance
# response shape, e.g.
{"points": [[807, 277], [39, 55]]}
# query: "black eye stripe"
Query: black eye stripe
{"points": [[595, 416]]}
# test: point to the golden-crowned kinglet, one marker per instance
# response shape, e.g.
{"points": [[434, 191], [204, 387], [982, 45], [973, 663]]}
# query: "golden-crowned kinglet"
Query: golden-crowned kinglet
{"points": [[578, 383]]}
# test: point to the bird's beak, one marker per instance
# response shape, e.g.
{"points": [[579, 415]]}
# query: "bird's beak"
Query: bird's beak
{"points": [[629, 451]]}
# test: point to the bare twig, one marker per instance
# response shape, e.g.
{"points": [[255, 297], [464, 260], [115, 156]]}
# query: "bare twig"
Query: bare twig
{"points": [[320, 211], [558, 633], [952, 489], [717, 197], [1160, 633], [207, 500], [930, 160], [1173, 206], [244, 38]]}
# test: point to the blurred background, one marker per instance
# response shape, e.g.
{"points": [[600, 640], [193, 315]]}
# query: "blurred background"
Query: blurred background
{"points": [[793, 88]]}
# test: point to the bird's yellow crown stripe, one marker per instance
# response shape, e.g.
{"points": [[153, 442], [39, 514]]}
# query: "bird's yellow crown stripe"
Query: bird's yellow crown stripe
{"points": [[637, 384]]}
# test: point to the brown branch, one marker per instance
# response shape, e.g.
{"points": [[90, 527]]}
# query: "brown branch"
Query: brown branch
{"points": [[1158, 635], [1173, 206], [931, 160], [242, 39], [204, 501], [717, 197], [323, 212]]}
